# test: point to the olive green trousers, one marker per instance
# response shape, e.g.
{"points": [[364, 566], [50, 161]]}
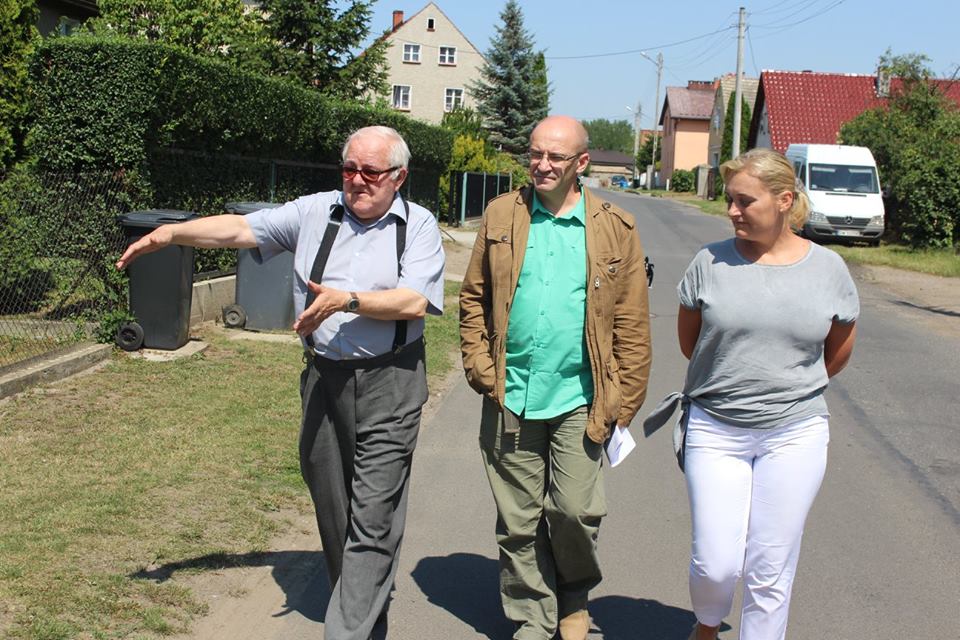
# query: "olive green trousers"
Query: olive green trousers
{"points": [[548, 489]]}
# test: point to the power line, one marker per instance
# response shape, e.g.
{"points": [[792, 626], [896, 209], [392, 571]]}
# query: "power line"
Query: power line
{"points": [[796, 9], [807, 19], [641, 50], [756, 69]]}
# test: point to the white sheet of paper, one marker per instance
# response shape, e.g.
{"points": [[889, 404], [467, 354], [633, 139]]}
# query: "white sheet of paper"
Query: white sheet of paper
{"points": [[620, 445]]}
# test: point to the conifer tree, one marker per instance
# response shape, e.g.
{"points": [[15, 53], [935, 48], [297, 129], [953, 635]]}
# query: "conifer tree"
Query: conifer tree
{"points": [[313, 44], [513, 93], [726, 145]]}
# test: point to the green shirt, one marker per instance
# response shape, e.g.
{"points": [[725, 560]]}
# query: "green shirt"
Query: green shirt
{"points": [[548, 368]]}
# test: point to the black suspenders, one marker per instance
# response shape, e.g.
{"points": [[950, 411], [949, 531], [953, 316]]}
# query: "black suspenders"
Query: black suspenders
{"points": [[323, 254]]}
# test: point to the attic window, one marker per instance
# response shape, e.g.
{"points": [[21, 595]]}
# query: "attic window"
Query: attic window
{"points": [[430, 24]]}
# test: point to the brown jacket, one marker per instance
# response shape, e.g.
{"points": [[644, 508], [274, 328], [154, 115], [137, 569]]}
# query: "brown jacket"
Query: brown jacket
{"points": [[617, 317]]}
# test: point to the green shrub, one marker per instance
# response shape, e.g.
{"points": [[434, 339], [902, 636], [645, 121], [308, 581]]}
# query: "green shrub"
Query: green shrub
{"points": [[682, 180], [108, 103]]}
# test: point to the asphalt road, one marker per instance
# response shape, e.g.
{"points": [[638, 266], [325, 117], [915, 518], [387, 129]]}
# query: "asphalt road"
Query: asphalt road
{"points": [[880, 557]]}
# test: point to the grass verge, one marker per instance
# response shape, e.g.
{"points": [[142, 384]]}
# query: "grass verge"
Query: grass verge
{"points": [[716, 207], [111, 477], [938, 262]]}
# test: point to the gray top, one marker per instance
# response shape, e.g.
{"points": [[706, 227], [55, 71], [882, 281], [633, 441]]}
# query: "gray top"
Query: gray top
{"points": [[363, 258], [759, 360]]}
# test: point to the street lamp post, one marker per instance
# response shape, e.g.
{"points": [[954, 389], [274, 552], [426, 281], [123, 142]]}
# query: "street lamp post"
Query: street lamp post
{"points": [[656, 111], [636, 143]]}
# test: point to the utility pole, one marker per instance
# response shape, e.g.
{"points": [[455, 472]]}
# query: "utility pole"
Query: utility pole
{"points": [[636, 143], [656, 118], [737, 106], [652, 169]]}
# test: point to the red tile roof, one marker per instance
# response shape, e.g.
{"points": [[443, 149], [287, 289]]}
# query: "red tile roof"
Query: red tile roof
{"points": [[810, 107], [690, 104]]}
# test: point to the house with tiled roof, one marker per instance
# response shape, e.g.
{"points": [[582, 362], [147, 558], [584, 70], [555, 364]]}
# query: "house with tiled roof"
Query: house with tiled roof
{"points": [[810, 107], [605, 164], [432, 64], [685, 118], [727, 86]]}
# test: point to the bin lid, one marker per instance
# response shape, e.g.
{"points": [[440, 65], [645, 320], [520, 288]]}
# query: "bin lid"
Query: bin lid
{"points": [[153, 218], [243, 208]]}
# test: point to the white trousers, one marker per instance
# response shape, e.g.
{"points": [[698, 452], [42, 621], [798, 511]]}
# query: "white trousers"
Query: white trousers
{"points": [[750, 491]]}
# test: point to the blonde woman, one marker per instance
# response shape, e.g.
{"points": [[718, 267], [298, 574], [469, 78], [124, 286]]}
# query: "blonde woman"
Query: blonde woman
{"points": [[766, 318]]}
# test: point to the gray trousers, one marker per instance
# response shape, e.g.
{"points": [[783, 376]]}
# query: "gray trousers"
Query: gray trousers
{"points": [[548, 488], [359, 431]]}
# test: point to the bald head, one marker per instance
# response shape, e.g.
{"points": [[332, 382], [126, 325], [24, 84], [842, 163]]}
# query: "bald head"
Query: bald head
{"points": [[558, 156], [564, 130]]}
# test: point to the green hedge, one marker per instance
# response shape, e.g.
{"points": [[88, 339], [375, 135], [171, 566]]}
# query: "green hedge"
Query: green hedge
{"points": [[193, 133], [107, 102]]}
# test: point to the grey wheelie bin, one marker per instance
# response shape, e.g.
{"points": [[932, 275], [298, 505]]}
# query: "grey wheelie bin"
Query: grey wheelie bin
{"points": [[161, 286], [264, 294]]}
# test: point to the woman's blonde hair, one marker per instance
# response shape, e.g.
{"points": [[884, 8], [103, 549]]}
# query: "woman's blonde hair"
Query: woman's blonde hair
{"points": [[777, 175]]}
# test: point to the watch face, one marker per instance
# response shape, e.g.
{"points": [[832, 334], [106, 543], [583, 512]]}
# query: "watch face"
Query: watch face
{"points": [[354, 304]]}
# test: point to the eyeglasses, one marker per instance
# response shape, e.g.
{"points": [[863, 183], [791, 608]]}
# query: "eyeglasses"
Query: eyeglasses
{"points": [[368, 175], [552, 158]]}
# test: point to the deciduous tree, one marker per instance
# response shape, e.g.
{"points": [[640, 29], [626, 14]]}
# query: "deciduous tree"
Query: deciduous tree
{"points": [[610, 135], [915, 140], [219, 28]]}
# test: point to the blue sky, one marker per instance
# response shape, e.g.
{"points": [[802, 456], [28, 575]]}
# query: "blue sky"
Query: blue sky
{"points": [[843, 36]]}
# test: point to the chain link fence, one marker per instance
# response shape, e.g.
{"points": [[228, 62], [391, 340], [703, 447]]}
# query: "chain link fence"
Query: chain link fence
{"points": [[59, 236], [58, 241]]}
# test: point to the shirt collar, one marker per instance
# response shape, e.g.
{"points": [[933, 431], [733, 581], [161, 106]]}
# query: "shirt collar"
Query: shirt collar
{"points": [[578, 213], [396, 208]]}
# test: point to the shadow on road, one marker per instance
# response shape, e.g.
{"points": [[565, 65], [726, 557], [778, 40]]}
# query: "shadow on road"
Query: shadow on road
{"points": [[938, 310], [302, 575], [641, 619], [467, 585]]}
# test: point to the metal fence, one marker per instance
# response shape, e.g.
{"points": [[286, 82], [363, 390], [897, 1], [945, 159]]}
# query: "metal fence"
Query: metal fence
{"points": [[470, 192], [58, 241], [59, 236]]}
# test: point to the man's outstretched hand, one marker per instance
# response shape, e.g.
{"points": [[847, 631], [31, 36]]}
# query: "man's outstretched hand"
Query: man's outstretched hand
{"points": [[154, 241]]}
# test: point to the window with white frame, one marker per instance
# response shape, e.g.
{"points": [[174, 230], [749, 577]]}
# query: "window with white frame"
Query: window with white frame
{"points": [[411, 53], [431, 24], [401, 97], [452, 99], [448, 55]]}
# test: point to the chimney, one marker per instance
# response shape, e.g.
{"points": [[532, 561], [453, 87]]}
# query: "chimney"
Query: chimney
{"points": [[883, 82], [397, 19], [700, 85]]}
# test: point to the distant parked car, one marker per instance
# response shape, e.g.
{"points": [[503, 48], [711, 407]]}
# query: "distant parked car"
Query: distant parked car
{"points": [[619, 181]]}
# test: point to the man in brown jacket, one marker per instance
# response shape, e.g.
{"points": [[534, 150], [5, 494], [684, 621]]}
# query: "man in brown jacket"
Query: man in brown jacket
{"points": [[555, 334]]}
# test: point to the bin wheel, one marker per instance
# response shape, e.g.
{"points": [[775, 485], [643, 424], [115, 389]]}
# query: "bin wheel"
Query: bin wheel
{"points": [[234, 317], [129, 336]]}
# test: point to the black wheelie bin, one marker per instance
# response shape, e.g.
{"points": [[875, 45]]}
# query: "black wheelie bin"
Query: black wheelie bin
{"points": [[161, 286]]}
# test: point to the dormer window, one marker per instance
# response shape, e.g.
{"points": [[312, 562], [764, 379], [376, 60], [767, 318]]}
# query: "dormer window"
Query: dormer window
{"points": [[431, 24]]}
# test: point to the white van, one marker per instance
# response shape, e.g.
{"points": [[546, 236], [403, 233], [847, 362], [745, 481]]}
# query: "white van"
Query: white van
{"points": [[844, 190]]}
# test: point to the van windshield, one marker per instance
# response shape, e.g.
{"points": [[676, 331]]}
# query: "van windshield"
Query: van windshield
{"points": [[843, 178]]}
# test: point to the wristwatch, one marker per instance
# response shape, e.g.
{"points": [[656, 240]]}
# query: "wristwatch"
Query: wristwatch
{"points": [[353, 303]]}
